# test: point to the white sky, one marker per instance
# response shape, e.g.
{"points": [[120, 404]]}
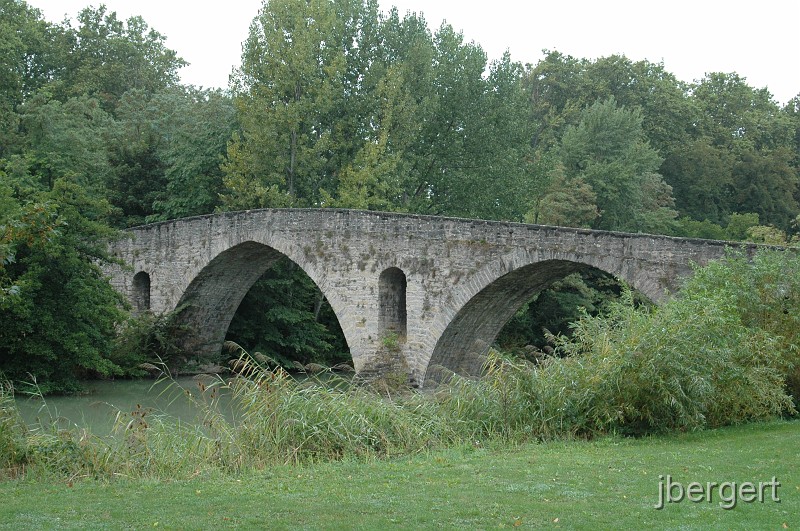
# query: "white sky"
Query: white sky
{"points": [[757, 40]]}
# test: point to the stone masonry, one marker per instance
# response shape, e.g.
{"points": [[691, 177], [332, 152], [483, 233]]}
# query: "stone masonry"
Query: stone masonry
{"points": [[421, 295]]}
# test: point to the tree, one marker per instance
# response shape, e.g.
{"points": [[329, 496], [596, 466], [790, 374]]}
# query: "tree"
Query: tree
{"points": [[561, 86], [32, 55], [667, 112], [290, 95], [341, 108], [566, 202], [196, 126], [608, 150], [109, 57], [744, 127], [138, 177], [285, 317], [701, 176], [68, 139], [555, 97], [53, 242], [377, 179], [766, 183]]}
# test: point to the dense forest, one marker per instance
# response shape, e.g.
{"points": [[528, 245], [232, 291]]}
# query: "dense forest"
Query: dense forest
{"points": [[337, 104]]}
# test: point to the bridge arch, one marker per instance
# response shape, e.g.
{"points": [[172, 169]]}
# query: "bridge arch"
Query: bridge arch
{"points": [[481, 312], [210, 301]]}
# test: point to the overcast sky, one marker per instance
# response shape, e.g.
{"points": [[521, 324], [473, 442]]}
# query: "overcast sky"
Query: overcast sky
{"points": [[757, 40]]}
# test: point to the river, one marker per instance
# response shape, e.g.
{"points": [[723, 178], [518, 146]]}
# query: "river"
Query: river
{"points": [[97, 407]]}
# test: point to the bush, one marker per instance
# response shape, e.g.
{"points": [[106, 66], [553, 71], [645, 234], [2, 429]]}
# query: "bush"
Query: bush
{"points": [[688, 365], [13, 444], [148, 339], [722, 351], [764, 294]]}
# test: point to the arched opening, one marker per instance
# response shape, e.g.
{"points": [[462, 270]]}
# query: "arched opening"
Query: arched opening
{"points": [[228, 300], [555, 308], [141, 292], [476, 326], [392, 313], [286, 317]]}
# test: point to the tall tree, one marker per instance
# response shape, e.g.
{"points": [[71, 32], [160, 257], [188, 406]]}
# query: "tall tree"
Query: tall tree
{"points": [[748, 127], [195, 126], [32, 56], [68, 139], [291, 95], [52, 242], [110, 57], [609, 151], [701, 176]]}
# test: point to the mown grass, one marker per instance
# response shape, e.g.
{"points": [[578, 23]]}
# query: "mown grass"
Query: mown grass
{"points": [[609, 483]]}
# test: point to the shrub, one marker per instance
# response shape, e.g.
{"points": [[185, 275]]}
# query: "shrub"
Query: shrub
{"points": [[148, 338], [718, 353], [13, 444], [764, 294]]}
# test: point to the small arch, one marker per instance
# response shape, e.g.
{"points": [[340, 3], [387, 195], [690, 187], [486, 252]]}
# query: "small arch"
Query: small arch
{"points": [[393, 316], [141, 292]]}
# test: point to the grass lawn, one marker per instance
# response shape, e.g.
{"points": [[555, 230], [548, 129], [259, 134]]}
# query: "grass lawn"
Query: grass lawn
{"points": [[606, 484]]}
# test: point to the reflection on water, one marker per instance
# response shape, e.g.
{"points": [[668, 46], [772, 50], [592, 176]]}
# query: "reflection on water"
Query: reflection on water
{"points": [[98, 407]]}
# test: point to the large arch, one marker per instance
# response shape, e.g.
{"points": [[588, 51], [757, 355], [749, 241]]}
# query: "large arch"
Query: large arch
{"points": [[466, 339], [209, 303]]}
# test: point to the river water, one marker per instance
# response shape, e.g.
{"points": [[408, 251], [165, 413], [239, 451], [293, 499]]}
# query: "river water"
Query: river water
{"points": [[98, 407]]}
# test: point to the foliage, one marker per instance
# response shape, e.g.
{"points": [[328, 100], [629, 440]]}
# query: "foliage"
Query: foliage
{"points": [[752, 142], [13, 434], [564, 201], [147, 341], [340, 107], [286, 317], [291, 88], [166, 152], [553, 309], [65, 139], [609, 152], [195, 127], [639, 373], [725, 350], [109, 57], [32, 54], [54, 244], [764, 293]]}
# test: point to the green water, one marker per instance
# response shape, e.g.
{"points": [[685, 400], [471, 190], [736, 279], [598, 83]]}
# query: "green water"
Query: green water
{"points": [[104, 403]]}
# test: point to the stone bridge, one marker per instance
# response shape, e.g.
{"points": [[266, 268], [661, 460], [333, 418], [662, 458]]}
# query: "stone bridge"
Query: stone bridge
{"points": [[416, 294]]}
